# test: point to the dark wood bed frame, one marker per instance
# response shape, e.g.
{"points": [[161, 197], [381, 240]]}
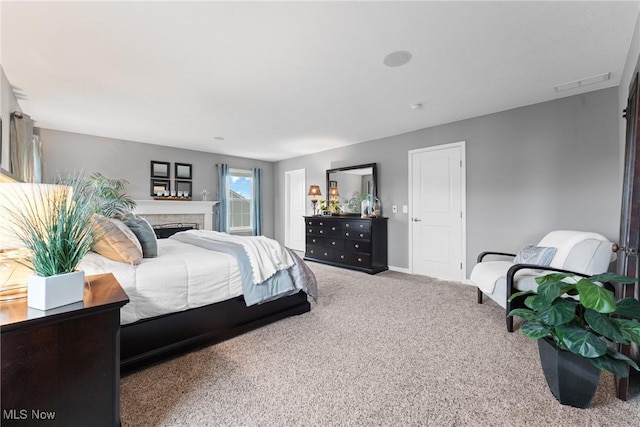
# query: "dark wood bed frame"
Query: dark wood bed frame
{"points": [[149, 340]]}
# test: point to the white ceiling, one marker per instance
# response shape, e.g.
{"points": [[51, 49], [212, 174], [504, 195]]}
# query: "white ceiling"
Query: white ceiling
{"points": [[279, 80]]}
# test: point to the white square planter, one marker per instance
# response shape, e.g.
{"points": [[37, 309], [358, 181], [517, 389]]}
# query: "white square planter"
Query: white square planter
{"points": [[45, 293]]}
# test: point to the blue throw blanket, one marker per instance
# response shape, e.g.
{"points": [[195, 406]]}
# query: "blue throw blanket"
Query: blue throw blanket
{"points": [[283, 283]]}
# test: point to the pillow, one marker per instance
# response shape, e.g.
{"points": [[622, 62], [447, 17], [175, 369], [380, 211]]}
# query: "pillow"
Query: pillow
{"points": [[532, 254], [114, 240], [145, 234]]}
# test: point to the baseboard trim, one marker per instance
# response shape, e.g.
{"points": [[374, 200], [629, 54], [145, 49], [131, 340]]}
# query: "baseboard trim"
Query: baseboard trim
{"points": [[400, 269]]}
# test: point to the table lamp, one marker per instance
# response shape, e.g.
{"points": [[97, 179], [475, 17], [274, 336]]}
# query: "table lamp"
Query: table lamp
{"points": [[314, 192]]}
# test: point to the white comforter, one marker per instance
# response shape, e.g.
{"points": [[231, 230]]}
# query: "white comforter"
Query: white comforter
{"points": [[266, 256], [183, 276]]}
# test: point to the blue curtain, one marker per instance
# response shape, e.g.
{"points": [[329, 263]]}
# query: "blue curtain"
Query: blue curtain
{"points": [[257, 202], [222, 219]]}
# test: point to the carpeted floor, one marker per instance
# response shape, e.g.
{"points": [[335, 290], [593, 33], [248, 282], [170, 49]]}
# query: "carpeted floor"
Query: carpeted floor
{"points": [[384, 350]]}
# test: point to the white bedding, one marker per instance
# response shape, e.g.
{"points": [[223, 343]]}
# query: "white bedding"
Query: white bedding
{"points": [[183, 276]]}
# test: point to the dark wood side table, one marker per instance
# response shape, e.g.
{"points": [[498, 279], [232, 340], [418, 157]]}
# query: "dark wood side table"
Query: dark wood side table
{"points": [[63, 365]]}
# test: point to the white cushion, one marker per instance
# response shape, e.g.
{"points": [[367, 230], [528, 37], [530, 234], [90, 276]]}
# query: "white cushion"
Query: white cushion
{"points": [[493, 274], [485, 274], [565, 241], [583, 252]]}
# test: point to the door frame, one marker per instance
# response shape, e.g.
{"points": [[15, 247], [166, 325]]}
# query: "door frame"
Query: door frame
{"points": [[287, 202], [463, 204]]}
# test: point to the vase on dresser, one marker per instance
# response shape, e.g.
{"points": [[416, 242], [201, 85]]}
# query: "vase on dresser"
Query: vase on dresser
{"points": [[45, 293]]}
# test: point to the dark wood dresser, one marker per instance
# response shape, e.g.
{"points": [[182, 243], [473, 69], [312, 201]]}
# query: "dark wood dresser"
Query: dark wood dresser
{"points": [[347, 241], [63, 365]]}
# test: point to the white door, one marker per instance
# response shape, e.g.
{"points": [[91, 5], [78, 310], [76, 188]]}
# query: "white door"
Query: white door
{"points": [[436, 214], [295, 202]]}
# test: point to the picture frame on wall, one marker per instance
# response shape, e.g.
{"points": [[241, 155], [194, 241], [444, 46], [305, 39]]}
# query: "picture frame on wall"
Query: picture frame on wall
{"points": [[160, 169], [333, 184], [183, 188], [183, 171], [160, 187]]}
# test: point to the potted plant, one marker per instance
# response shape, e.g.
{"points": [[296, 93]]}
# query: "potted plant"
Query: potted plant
{"points": [[53, 223], [578, 322], [330, 206], [106, 194]]}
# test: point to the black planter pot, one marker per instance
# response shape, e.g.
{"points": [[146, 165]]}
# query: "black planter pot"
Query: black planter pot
{"points": [[573, 380]]}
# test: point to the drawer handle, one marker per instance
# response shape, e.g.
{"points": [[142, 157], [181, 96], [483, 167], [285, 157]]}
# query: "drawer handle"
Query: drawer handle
{"points": [[321, 231], [356, 246], [313, 240], [361, 225], [361, 234], [311, 251], [346, 234], [346, 225], [325, 254], [359, 259], [333, 229], [333, 243], [322, 223], [341, 256]]}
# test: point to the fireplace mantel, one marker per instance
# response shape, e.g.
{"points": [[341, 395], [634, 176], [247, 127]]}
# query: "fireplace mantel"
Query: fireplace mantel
{"points": [[177, 207]]}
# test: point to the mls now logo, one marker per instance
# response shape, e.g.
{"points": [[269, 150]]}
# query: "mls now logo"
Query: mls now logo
{"points": [[23, 414]]}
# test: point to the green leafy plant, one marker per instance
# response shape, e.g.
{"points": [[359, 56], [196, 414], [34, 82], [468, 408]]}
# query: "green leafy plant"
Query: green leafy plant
{"points": [[54, 225], [107, 194], [331, 206], [356, 200], [586, 326]]}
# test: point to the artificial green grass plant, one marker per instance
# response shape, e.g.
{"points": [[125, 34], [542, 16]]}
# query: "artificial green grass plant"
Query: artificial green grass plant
{"points": [[53, 223]]}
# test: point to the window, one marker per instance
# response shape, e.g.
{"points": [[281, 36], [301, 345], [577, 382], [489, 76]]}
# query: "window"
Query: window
{"points": [[240, 200]]}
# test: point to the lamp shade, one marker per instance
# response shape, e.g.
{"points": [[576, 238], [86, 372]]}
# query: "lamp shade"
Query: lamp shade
{"points": [[18, 200], [333, 192], [314, 190]]}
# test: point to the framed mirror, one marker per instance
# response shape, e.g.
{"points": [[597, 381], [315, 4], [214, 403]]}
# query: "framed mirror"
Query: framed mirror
{"points": [[183, 171], [352, 184], [160, 187], [183, 188], [160, 169]]}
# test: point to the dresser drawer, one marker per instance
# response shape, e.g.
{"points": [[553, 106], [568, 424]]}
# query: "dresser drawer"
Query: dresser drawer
{"points": [[357, 234], [315, 241], [357, 225], [333, 243], [358, 245], [363, 260], [333, 230], [317, 231], [320, 253]]}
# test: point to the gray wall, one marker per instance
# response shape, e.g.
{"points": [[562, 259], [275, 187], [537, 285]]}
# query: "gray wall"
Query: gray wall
{"points": [[67, 153], [529, 170]]}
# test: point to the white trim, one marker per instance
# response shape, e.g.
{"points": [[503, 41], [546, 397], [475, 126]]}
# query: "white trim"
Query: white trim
{"points": [[287, 201], [399, 269], [177, 207], [463, 205], [241, 173]]}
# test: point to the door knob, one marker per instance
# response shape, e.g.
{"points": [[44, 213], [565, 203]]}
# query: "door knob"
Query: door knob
{"points": [[416, 219]]}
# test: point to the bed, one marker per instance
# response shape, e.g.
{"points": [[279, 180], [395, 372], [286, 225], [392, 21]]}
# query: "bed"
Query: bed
{"points": [[199, 290]]}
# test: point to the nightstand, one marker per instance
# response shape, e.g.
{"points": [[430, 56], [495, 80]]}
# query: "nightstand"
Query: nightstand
{"points": [[63, 365]]}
